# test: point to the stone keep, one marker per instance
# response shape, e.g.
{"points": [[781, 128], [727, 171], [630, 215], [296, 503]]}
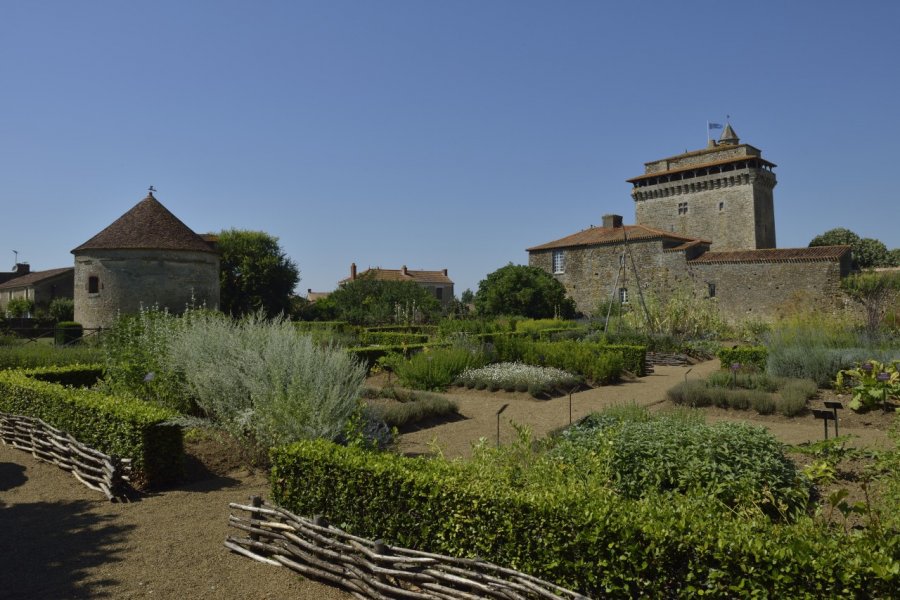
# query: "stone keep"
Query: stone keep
{"points": [[146, 258], [722, 193]]}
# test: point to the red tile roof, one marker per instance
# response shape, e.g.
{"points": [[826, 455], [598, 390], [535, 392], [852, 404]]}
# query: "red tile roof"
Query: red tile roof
{"points": [[596, 236], [408, 275], [148, 225], [34, 277], [774, 255]]}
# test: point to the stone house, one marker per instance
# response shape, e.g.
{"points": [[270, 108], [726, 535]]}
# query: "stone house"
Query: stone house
{"points": [[41, 287], [437, 283], [147, 257], [705, 224]]}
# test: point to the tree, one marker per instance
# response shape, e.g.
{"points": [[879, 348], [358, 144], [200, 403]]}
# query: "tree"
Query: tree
{"points": [[255, 274], [62, 309], [20, 307], [894, 257], [876, 292], [524, 291], [467, 297], [867, 252], [370, 301]]}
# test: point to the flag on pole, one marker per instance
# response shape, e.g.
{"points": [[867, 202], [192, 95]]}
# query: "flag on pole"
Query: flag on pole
{"points": [[714, 125]]}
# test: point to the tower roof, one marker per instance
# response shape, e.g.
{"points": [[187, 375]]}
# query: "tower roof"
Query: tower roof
{"points": [[729, 136], [148, 225]]}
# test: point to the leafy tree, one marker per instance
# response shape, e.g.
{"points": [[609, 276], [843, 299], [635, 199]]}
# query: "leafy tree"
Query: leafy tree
{"points": [[20, 307], [524, 291], [894, 257], [62, 309], [867, 252], [876, 292], [255, 274], [370, 301], [467, 297]]}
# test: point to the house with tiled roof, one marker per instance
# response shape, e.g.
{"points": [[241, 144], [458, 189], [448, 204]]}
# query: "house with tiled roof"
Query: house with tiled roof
{"points": [[705, 223], [147, 257], [41, 287], [437, 283]]}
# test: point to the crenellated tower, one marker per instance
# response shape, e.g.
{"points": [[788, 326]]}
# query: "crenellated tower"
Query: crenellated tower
{"points": [[722, 193]]}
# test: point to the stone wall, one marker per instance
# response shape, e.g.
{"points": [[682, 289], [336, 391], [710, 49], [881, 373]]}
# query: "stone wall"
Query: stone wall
{"points": [[130, 279], [766, 291], [700, 157]]}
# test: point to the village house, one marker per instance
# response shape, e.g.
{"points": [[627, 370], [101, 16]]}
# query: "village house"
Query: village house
{"points": [[41, 287], [438, 283]]}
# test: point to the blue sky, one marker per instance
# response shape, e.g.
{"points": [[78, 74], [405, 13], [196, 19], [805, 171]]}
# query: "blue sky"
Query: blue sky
{"points": [[431, 134]]}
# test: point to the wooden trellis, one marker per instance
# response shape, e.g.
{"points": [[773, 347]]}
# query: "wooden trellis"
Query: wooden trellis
{"points": [[372, 569], [98, 471]]}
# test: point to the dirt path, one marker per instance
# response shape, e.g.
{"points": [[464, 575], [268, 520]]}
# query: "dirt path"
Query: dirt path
{"points": [[59, 540]]}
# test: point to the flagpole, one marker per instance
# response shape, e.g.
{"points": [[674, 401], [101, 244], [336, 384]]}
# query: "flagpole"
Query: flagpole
{"points": [[707, 133]]}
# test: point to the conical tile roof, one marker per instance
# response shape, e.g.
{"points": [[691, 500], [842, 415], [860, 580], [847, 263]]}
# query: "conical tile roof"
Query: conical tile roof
{"points": [[728, 135], [148, 225]]}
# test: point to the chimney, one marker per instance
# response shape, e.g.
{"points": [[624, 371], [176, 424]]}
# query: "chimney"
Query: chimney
{"points": [[352, 271], [22, 268], [405, 272], [445, 272], [612, 221]]}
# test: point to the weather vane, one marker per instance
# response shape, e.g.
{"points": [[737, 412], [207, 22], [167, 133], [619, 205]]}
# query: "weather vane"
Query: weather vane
{"points": [[151, 189]]}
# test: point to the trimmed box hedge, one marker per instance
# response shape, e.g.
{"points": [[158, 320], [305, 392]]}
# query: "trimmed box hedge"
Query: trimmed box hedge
{"points": [[70, 375], [124, 427], [756, 356], [391, 338], [371, 354], [601, 544]]}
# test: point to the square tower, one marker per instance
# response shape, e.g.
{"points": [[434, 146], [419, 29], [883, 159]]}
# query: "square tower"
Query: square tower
{"points": [[722, 193]]}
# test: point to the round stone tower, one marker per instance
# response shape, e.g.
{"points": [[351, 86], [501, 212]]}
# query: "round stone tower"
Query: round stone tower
{"points": [[147, 257]]}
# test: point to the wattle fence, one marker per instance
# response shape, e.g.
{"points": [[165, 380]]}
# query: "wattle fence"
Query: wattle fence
{"points": [[98, 471], [372, 569]]}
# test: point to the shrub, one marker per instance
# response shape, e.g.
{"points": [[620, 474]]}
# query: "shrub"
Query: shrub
{"points": [[266, 384], [20, 307], [436, 370], [419, 408], [872, 383], [371, 355], [689, 393], [762, 402], [69, 375], [744, 356], [520, 377], [391, 338], [601, 364], [67, 332], [26, 356], [115, 425], [738, 399], [794, 395]]}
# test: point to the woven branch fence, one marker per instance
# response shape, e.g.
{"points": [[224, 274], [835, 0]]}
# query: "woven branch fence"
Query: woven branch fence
{"points": [[98, 471], [370, 569]]}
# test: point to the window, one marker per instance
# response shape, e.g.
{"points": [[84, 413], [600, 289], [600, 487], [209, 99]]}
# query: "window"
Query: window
{"points": [[623, 295], [682, 208], [93, 284], [439, 293], [721, 206], [712, 289], [559, 261]]}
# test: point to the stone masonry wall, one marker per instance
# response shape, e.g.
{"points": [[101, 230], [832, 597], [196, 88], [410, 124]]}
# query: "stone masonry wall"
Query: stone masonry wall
{"points": [[130, 279], [700, 157]]}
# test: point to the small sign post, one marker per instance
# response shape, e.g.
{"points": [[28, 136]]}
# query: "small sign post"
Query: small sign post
{"points": [[834, 406], [826, 415], [499, 412]]}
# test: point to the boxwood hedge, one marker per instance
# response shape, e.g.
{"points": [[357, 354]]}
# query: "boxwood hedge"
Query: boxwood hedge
{"points": [[121, 426], [70, 375], [599, 543]]}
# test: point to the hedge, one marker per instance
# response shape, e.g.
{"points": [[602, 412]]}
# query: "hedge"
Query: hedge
{"points": [[602, 363], [70, 375], [371, 354], [339, 326], [600, 544], [121, 426], [67, 332], [424, 329], [391, 338], [755, 356]]}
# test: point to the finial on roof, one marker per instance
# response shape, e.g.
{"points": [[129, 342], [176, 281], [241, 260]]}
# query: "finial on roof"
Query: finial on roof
{"points": [[150, 191], [729, 136]]}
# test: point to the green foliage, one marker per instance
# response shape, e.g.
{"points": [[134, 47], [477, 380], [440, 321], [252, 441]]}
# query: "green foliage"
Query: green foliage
{"points": [[742, 390], [734, 462], [255, 274], [391, 338], [70, 375], [435, 370], [25, 356], [867, 252], [747, 379], [337, 326], [538, 381], [61, 309], [523, 291], [370, 355], [681, 315], [67, 332], [872, 383], [535, 327], [261, 381], [114, 425], [839, 236], [599, 363], [531, 512], [416, 407], [745, 356], [20, 307], [136, 360], [794, 395], [370, 301]]}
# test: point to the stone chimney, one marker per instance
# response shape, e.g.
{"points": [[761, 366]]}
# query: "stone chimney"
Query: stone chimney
{"points": [[445, 272], [22, 269], [612, 221], [352, 271], [405, 271]]}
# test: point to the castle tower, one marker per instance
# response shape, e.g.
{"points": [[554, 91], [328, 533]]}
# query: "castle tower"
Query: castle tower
{"points": [[722, 193]]}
